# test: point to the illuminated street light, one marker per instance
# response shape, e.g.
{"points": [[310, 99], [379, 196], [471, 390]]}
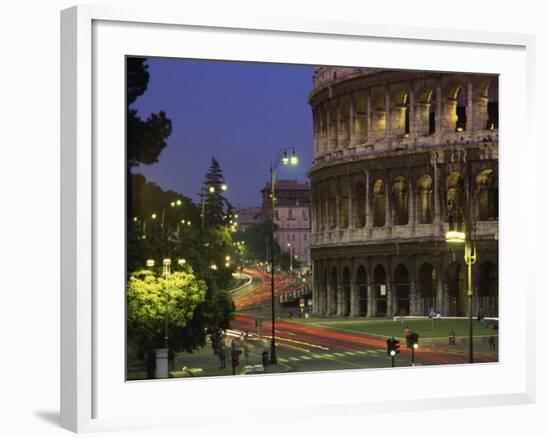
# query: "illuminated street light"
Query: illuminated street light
{"points": [[211, 189], [224, 187], [181, 262], [281, 156], [154, 216], [455, 237], [150, 263]]}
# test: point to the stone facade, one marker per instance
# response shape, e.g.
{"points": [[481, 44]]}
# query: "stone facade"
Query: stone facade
{"points": [[391, 149], [292, 217]]}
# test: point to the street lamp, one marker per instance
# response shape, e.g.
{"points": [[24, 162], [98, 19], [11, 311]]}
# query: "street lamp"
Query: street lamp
{"points": [[286, 156], [290, 246], [467, 237], [166, 263]]}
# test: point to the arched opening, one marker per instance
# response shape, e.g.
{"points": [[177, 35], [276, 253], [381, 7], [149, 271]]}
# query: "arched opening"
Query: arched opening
{"points": [[487, 196], [361, 123], [344, 125], [323, 302], [380, 290], [344, 205], [379, 201], [400, 201], [425, 199], [378, 113], [333, 291], [359, 204], [346, 292], [432, 113], [407, 116], [332, 206], [455, 201], [492, 105], [427, 287], [402, 289], [361, 282], [461, 104], [455, 280], [487, 289], [333, 126]]}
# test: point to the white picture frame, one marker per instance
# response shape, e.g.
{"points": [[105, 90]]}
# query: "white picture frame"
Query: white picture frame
{"points": [[92, 395]]}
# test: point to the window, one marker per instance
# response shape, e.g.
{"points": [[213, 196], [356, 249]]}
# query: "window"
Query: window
{"points": [[305, 236], [288, 237], [293, 237], [277, 214], [289, 213], [304, 214]]}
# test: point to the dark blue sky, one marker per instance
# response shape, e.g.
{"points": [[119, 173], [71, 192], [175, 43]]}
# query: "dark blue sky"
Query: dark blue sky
{"points": [[241, 113]]}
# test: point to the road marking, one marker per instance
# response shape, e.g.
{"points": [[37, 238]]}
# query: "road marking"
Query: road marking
{"points": [[317, 356], [294, 359], [283, 360], [328, 355], [351, 353], [340, 354], [305, 357]]}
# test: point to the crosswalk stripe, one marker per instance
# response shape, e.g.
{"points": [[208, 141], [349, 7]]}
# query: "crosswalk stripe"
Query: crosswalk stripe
{"points": [[328, 355], [361, 352], [351, 353], [283, 360], [305, 357], [339, 354], [317, 356], [295, 359]]}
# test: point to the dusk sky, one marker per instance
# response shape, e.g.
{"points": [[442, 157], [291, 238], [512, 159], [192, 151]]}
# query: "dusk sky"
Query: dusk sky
{"points": [[240, 113]]}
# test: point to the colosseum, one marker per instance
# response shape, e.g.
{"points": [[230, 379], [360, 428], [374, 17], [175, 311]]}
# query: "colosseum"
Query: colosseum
{"points": [[392, 149]]}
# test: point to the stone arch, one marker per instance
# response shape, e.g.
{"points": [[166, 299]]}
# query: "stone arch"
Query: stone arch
{"points": [[332, 120], [492, 105], [323, 308], [425, 199], [456, 294], [400, 200], [333, 292], [346, 292], [378, 113], [344, 203], [402, 289], [427, 288], [379, 203], [425, 107], [361, 122], [362, 290], [400, 110], [487, 195], [487, 289], [455, 104], [359, 204], [332, 211], [380, 290]]}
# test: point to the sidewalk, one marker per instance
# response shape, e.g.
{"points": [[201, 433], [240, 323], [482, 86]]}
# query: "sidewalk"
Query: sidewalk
{"points": [[206, 359]]}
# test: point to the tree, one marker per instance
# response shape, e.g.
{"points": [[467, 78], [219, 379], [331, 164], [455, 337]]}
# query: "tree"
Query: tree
{"points": [[145, 139], [152, 300], [257, 241], [216, 205]]}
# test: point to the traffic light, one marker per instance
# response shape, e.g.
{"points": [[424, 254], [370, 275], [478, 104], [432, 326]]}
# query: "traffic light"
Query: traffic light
{"points": [[414, 340], [393, 347]]}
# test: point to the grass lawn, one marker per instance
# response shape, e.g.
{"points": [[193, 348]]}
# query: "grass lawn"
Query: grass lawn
{"points": [[387, 328]]}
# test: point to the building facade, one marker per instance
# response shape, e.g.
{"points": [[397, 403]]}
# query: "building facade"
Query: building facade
{"points": [[247, 217], [393, 149], [292, 217]]}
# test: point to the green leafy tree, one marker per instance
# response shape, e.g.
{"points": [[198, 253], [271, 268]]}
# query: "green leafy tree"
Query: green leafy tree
{"points": [[152, 300], [257, 241]]}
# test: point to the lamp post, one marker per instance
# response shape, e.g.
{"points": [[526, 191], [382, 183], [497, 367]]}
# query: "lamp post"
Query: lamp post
{"points": [[286, 156], [467, 237], [290, 246]]}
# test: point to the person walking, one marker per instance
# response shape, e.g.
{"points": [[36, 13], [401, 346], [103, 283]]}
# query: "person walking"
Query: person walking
{"points": [[492, 343], [222, 352]]}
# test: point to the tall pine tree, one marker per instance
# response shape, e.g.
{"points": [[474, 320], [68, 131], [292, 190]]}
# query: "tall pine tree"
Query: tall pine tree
{"points": [[216, 205]]}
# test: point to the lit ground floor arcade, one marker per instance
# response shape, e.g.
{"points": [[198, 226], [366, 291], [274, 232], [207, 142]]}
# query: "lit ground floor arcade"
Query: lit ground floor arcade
{"points": [[381, 281]]}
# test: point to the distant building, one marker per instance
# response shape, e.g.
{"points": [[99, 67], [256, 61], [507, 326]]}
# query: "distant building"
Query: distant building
{"points": [[248, 216], [292, 216]]}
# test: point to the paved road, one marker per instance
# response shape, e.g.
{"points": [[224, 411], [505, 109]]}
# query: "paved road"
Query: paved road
{"points": [[308, 348]]}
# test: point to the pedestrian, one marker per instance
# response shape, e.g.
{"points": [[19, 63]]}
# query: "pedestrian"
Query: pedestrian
{"points": [[492, 343], [221, 355], [407, 331], [265, 358], [452, 338]]}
